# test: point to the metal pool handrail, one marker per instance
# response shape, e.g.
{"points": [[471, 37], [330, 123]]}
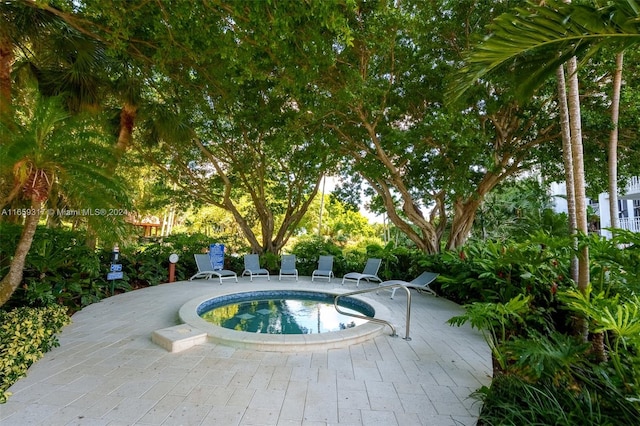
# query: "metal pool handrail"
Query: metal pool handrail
{"points": [[377, 320]]}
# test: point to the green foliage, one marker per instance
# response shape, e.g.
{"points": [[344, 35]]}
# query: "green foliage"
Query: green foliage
{"points": [[147, 263], [356, 257], [496, 321], [499, 271], [512, 400], [539, 356], [542, 373], [76, 158], [516, 209], [619, 320], [270, 261], [615, 263], [542, 37], [25, 335], [59, 268], [309, 249]]}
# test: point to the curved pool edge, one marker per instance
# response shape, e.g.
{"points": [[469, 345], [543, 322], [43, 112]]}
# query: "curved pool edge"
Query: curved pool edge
{"points": [[284, 342]]}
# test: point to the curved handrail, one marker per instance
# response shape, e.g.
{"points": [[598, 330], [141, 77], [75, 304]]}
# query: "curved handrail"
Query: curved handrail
{"points": [[377, 320]]}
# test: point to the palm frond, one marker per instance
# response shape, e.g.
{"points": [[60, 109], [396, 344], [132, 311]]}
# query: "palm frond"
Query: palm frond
{"points": [[534, 41]]}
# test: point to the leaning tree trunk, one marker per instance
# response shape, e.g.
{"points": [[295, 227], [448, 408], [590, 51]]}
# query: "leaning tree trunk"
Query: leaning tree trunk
{"points": [[12, 280]]}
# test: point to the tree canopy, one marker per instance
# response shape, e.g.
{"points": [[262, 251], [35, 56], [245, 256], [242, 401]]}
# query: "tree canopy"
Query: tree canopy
{"points": [[246, 105]]}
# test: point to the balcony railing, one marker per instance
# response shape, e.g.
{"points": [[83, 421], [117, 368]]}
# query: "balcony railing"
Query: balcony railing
{"points": [[629, 223], [633, 187]]}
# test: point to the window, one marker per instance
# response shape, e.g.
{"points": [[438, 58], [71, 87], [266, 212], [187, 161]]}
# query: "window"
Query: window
{"points": [[623, 211]]}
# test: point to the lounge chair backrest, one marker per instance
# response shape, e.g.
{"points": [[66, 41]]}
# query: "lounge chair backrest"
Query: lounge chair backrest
{"points": [[325, 263], [425, 278], [203, 262], [252, 262], [288, 262], [372, 266]]}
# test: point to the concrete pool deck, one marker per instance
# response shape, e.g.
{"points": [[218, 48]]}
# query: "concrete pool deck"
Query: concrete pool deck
{"points": [[107, 371]]}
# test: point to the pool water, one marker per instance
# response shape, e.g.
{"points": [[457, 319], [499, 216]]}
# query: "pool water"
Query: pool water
{"points": [[282, 316]]}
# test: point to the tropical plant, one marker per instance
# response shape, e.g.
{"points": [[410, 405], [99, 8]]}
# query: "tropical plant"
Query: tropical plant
{"points": [[545, 356], [536, 41], [308, 250], [496, 271], [513, 400], [543, 37], [497, 322], [48, 150], [619, 321], [23, 29]]}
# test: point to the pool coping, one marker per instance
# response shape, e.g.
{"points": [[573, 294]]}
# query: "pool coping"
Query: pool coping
{"points": [[284, 342]]}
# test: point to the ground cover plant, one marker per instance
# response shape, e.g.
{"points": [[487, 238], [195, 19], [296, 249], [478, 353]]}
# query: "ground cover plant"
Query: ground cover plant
{"points": [[25, 335]]}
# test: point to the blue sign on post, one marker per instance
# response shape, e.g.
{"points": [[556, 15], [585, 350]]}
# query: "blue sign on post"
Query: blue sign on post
{"points": [[216, 254], [115, 275]]}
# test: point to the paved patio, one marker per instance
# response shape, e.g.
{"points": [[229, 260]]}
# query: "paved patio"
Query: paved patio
{"points": [[107, 371]]}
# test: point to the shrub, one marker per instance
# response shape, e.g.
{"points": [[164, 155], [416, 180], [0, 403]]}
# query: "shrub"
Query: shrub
{"points": [[147, 264], [60, 268], [498, 271], [308, 251], [25, 335]]}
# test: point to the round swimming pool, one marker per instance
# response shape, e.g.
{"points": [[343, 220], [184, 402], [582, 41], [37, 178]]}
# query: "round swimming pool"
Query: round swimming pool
{"points": [[293, 312], [353, 330]]}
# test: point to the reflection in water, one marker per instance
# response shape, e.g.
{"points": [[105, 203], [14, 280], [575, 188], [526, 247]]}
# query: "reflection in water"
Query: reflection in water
{"points": [[282, 316]]}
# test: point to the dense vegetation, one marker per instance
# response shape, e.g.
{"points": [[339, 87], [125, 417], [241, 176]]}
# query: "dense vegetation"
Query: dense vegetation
{"points": [[226, 117], [517, 291]]}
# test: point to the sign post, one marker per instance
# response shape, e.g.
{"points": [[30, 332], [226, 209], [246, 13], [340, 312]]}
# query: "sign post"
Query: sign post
{"points": [[115, 269]]}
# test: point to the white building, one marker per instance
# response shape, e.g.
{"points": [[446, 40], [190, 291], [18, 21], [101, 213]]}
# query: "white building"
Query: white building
{"points": [[628, 206]]}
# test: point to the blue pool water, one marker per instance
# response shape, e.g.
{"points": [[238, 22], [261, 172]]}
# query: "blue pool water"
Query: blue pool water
{"points": [[283, 312]]}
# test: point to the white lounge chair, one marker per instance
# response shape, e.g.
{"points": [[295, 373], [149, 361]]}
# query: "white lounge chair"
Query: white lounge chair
{"points": [[206, 271], [325, 268], [370, 272], [288, 266], [252, 267], [421, 283]]}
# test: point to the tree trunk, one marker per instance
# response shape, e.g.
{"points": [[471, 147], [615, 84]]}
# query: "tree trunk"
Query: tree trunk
{"points": [[12, 280], [579, 182], [464, 215], [128, 116], [6, 63], [567, 159], [420, 231], [613, 143]]}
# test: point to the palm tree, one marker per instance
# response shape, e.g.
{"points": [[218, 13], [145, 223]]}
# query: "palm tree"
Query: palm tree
{"points": [[39, 44], [541, 38], [22, 28], [537, 41], [45, 149]]}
